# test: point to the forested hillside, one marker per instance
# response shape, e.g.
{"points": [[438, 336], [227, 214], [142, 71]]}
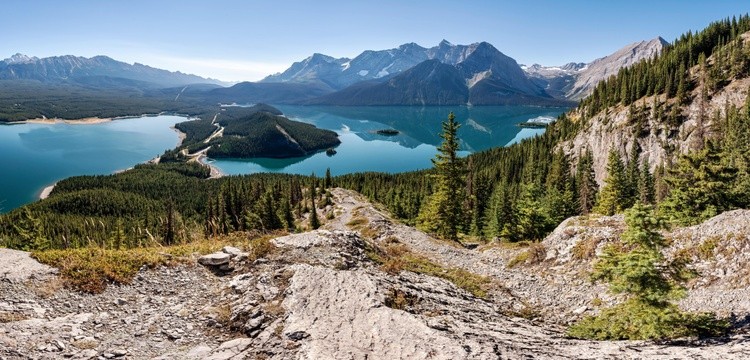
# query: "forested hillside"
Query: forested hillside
{"points": [[156, 204], [523, 191]]}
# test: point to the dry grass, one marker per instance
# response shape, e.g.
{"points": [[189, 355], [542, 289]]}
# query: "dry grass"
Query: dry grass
{"points": [[84, 344], [395, 257], [48, 288], [535, 254], [399, 300], [585, 248], [6, 317], [92, 269]]}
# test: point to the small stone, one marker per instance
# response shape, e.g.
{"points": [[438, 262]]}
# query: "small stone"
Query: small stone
{"points": [[231, 250], [120, 352], [580, 310], [120, 301], [108, 355], [297, 335], [215, 259]]}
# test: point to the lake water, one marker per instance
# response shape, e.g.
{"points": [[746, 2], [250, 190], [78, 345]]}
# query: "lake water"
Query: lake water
{"points": [[362, 149], [37, 155]]}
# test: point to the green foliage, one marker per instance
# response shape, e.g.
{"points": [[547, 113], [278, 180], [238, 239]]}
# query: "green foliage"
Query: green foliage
{"points": [[442, 215], [638, 269], [615, 195], [263, 134], [700, 186], [586, 181], [163, 204]]}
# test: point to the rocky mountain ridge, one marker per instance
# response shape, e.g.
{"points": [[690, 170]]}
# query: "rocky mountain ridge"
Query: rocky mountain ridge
{"points": [[383, 77], [82, 70], [320, 295], [575, 81]]}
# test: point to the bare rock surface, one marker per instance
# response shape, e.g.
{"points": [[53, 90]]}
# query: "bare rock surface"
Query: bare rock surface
{"points": [[19, 266], [319, 296]]}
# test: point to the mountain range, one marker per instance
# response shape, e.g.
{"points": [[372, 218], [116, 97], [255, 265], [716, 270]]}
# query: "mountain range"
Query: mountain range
{"points": [[575, 81], [94, 71], [445, 74]]}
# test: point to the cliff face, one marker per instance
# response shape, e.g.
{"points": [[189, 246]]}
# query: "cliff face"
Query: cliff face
{"points": [[659, 142]]}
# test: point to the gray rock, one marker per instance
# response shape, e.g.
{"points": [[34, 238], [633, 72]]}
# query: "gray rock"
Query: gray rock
{"points": [[231, 250], [230, 349], [215, 259]]}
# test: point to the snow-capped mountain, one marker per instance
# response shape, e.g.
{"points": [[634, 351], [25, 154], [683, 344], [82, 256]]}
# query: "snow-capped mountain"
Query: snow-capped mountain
{"points": [[359, 79]]}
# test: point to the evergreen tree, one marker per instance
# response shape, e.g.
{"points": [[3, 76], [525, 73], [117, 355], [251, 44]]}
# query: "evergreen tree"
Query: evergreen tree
{"points": [[615, 195], [30, 231], [646, 190], [328, 182], [638, 269], [314, 221], [500, 216], [586, 180], [531, 217], [699, 187], [442, 214]]}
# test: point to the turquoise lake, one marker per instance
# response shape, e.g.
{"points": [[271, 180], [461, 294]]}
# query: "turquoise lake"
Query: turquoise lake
{"points": [[37, 155], [362, 149]]}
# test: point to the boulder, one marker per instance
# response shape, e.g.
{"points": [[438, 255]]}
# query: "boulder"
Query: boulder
{"points": [[215, 259]]}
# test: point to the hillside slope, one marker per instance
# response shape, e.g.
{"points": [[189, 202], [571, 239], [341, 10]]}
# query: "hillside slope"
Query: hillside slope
{"points": [[320, 295]]}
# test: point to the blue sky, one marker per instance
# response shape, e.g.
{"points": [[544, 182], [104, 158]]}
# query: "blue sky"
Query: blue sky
{"points": [[246, 40]]}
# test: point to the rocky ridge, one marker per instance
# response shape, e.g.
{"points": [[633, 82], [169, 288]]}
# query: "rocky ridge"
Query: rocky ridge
{"points": [[319, 295]]}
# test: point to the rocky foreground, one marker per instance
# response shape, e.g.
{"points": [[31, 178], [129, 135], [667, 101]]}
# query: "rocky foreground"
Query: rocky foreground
{"points": [[319, 295]]}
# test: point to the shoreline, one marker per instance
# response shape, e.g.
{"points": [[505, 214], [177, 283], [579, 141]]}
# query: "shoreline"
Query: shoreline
{"points": [[89, 120], [53, 121], [215, 172], [47, 191]]}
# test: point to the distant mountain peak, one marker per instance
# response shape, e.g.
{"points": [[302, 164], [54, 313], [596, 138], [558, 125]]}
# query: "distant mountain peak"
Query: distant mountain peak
{"points": [[19, 58], [444, 43]]}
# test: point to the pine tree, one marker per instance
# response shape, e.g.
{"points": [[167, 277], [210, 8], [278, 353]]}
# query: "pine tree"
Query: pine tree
{"points": [[328, 182], [646, 190], [500, 216], [314, 221], [615, 196], [639, 269], [699, 186], [442, 214], [586, 180]]}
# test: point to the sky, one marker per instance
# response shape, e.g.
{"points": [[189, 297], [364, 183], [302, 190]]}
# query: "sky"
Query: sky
{"points": [[234, 40]]}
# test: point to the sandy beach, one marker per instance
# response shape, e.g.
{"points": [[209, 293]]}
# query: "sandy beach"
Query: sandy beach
{"points": [[46, 191], [84, 121]]}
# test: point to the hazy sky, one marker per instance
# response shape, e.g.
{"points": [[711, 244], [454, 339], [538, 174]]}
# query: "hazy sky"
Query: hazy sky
{"points": [[247, 40]]}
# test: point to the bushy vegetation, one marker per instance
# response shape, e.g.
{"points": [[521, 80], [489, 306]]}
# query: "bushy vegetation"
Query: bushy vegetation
{"points": [[637, 268]]}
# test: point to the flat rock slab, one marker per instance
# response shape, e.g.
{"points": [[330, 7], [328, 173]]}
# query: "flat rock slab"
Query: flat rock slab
{"points": [[215, 259], [19, 266]]}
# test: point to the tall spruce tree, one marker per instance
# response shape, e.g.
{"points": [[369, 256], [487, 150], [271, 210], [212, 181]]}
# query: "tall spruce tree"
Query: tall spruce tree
{"points": [[646, 189], [586, 181], [615, 195], [442, 213]]}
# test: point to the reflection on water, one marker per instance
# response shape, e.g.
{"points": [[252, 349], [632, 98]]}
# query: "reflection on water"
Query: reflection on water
{"points": [[362, 149]]}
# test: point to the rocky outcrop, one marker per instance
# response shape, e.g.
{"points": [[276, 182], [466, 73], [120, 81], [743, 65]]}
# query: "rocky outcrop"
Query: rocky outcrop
{"points": [[320, 295]]}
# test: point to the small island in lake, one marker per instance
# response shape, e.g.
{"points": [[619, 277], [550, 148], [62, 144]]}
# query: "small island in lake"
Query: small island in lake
{"points": [[257, 131], [387, 132], [331, 151]]}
